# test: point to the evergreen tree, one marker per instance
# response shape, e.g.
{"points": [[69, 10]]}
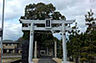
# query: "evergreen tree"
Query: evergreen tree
{"points": [[41, 11], [83, 45]]}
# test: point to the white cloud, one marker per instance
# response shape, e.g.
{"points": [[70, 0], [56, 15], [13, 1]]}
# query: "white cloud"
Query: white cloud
{"points": [[72, 9], [12, 30], [14, 8], [57, 35]]}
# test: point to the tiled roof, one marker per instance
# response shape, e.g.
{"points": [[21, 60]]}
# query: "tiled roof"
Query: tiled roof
{"points": [[9, 41]]}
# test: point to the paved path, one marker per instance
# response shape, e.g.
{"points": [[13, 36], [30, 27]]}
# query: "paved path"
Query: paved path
{"points": [[46, 60], [17, 56]]}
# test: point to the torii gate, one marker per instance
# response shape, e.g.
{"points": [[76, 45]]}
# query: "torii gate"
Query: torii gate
{"points": [[31, 26]]}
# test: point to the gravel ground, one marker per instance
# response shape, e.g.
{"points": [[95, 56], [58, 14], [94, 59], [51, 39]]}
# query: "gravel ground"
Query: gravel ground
{"points": [[8, 60]]}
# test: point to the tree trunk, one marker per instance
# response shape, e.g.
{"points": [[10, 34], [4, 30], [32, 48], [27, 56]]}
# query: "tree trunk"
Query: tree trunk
{"points": [[77, 60]]}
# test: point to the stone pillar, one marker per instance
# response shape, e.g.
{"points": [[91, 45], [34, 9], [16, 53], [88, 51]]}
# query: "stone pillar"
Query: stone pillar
{"points": [[31, 43], [64, 44], [13, 51], [35, 52], [19, 51], [7, 50], [47, 51], [55, 49]]}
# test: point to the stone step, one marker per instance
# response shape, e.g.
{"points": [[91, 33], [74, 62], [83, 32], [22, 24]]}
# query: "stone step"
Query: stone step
{"points": [[46, 61]]}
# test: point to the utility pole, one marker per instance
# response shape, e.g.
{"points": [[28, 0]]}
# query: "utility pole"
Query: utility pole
{"points": [[3, 9]]}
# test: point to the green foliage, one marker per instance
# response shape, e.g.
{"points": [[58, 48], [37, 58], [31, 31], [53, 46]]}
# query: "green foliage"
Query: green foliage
{"points": [[83, 59], [83, 45], [41, 11], [89, 17]]}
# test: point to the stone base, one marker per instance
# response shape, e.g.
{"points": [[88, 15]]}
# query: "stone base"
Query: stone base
{"points": [[64, 62], [57, 60], [31, 62], [35, 60]]}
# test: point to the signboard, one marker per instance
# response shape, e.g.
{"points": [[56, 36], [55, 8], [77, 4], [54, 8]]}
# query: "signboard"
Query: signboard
{"points": [[48, 24]]}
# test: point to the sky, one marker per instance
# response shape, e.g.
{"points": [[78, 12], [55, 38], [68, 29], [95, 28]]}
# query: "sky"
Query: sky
{"points": [[71, 9]]}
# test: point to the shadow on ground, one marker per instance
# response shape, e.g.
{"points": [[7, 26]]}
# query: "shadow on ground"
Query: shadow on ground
{"points": [[18, 61], [46, 60], [41, 60]]}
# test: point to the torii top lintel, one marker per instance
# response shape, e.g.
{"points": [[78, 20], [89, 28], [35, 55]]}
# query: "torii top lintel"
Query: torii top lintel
{"points": [[43, 21], [59, 28]]}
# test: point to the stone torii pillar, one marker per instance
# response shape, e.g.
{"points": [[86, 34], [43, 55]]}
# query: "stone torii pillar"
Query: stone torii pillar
{"points": [[31, 43], [55, 49], [35, 51], [64, 44]]}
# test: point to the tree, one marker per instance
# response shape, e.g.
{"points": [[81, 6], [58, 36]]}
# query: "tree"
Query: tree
{"points": [[41, 11], [73, 45], [91, 31], [90, 21], [83, 45]]}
